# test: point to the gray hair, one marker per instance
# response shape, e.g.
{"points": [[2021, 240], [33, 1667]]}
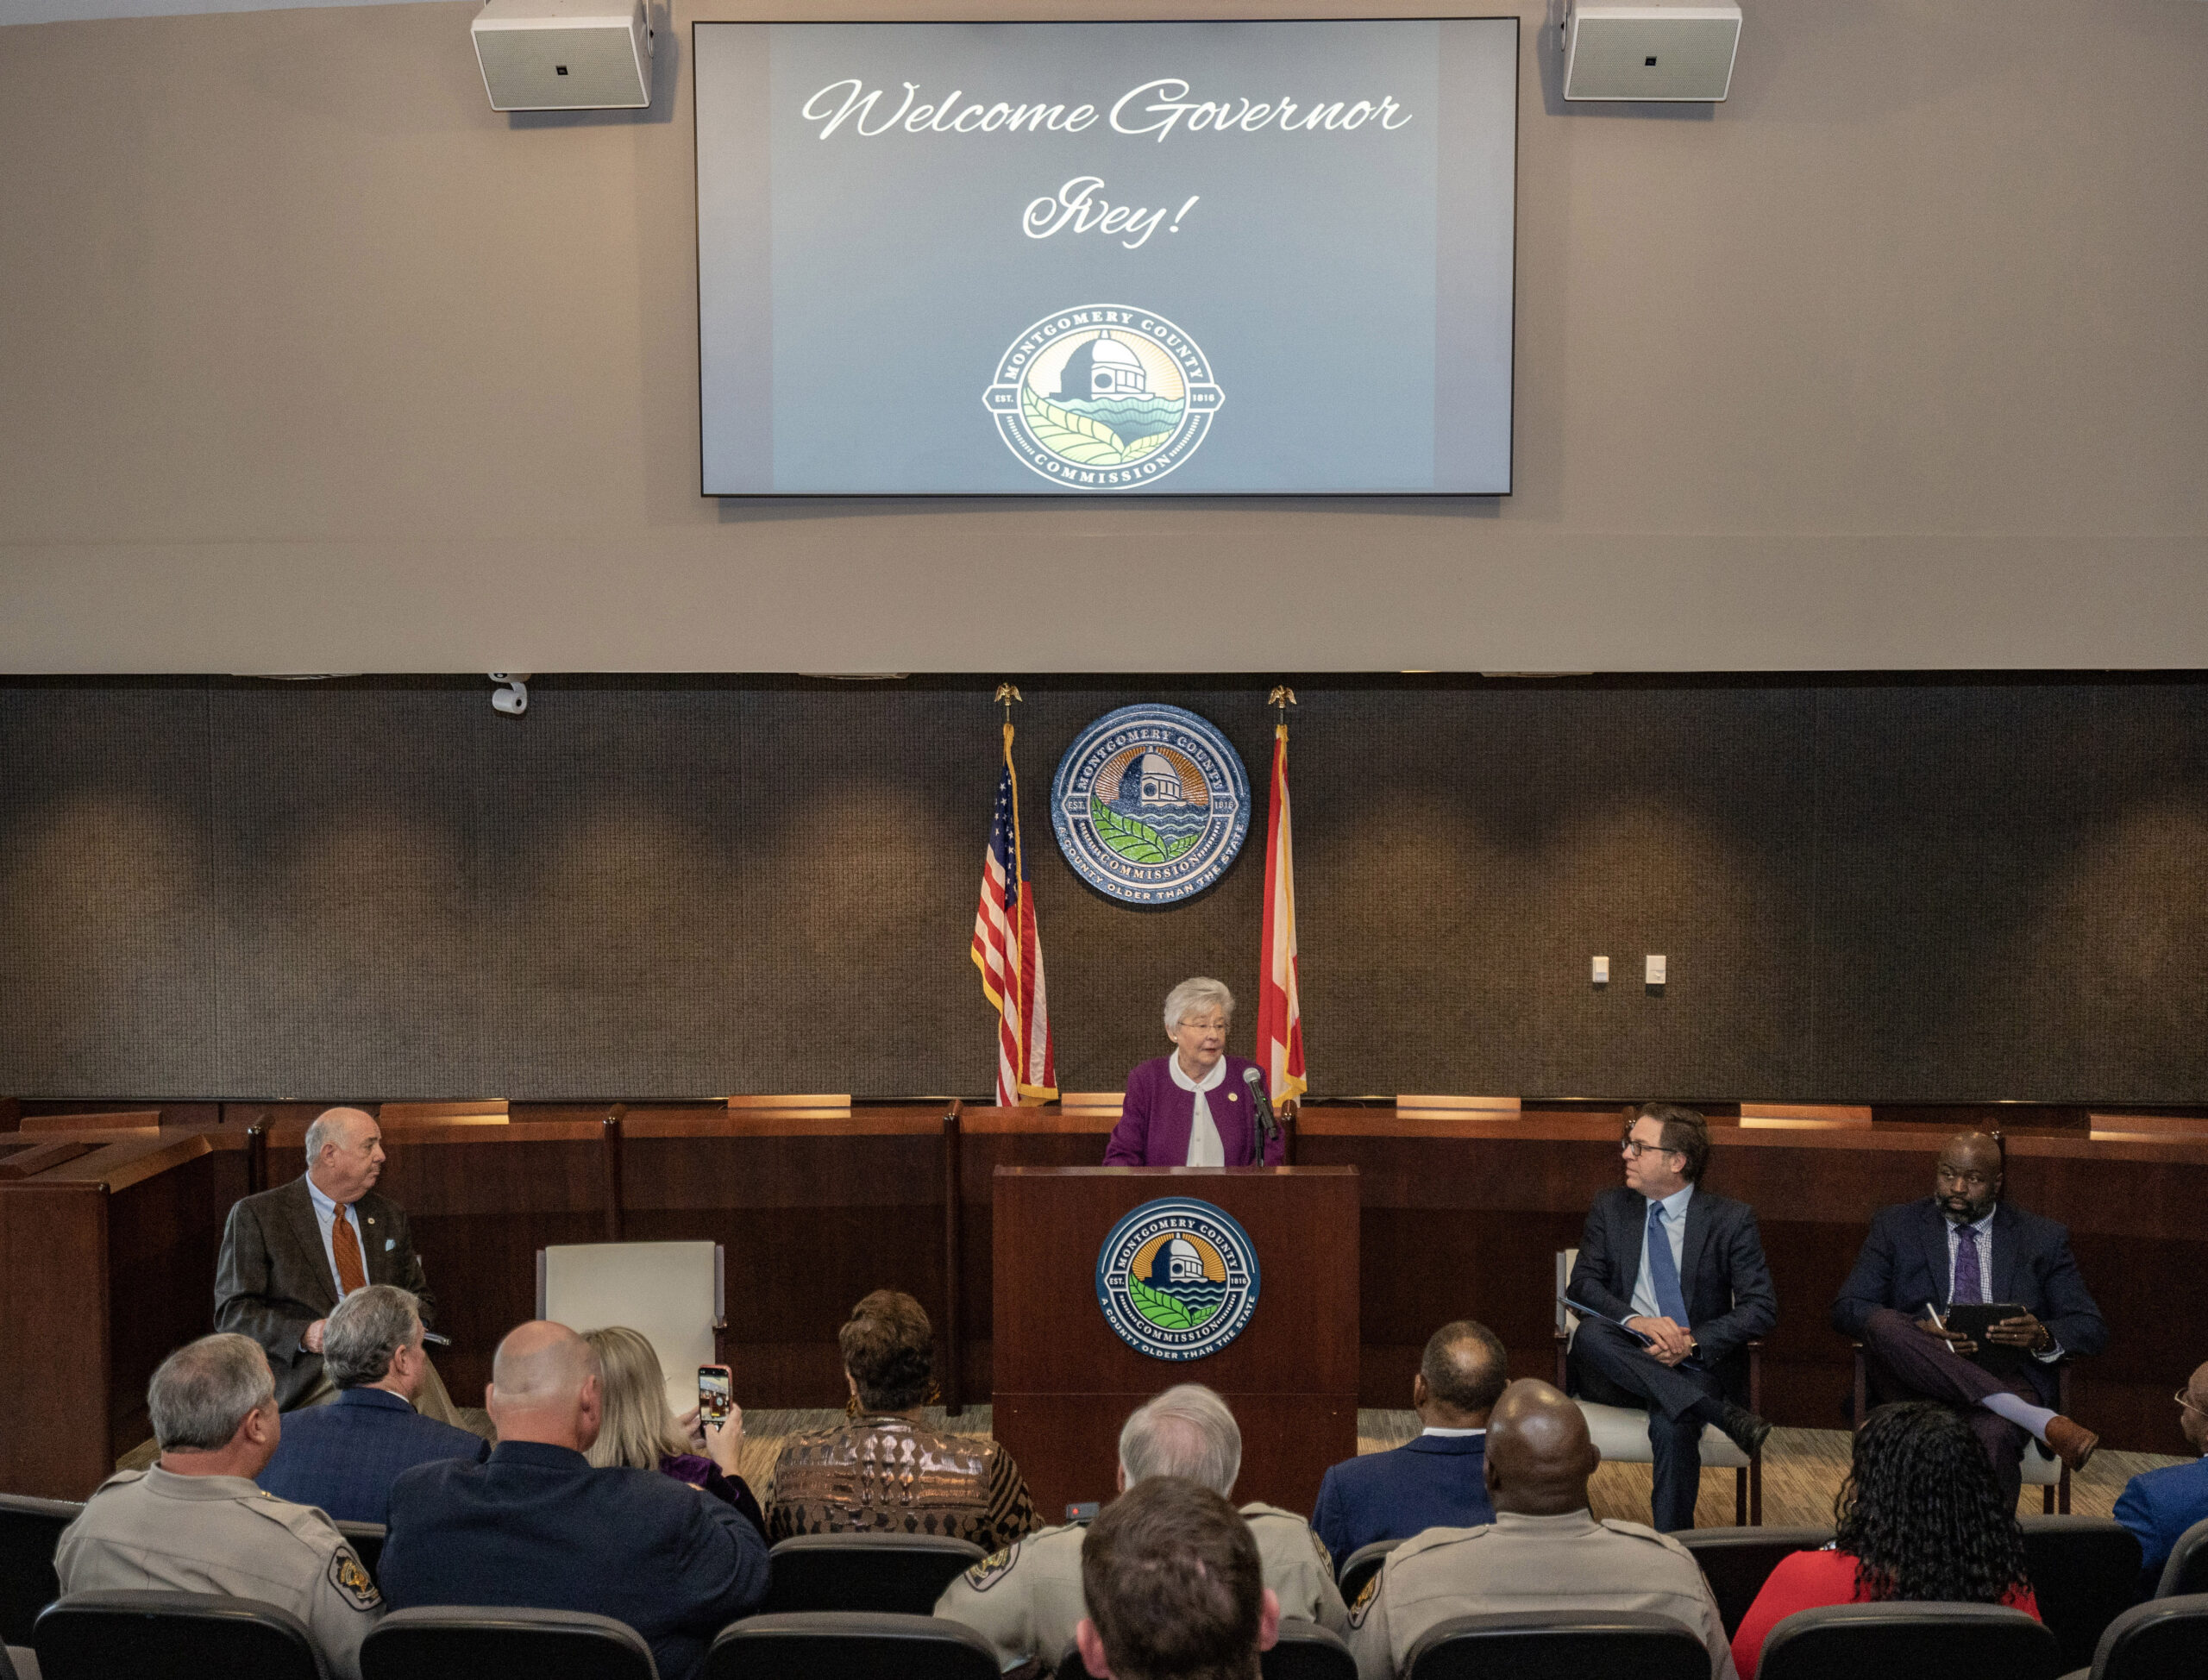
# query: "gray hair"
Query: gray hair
{"points": [[368, 1326], [329, 1128], [1186, 1431], [205, 1390], [1192, 996]]}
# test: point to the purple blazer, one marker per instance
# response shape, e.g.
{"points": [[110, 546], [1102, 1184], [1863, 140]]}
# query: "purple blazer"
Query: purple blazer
{"points": [[1158, 1115]]}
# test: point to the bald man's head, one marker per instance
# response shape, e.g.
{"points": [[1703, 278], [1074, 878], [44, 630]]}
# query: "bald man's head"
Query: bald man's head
{"points": [[2194, 1418], [1967, 1181], [1539, 1452], [545, 1380]]}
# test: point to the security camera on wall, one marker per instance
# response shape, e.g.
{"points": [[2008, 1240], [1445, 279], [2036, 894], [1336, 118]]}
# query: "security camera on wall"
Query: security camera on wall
{"points": [[556, 55], [1679, 53]]}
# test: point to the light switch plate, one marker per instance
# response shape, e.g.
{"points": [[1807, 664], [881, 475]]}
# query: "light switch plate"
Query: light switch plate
{"points": [[1655, 971], [1601, 971]]}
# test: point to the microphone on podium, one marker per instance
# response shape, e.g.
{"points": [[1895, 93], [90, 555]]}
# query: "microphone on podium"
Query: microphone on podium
{"points": [[1266, 1124]]}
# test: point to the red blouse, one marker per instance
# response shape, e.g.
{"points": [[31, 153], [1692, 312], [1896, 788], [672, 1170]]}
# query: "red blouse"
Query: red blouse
{"points": [[1803, 1581]]}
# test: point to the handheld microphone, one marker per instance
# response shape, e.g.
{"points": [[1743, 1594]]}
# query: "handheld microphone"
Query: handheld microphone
{"points": [[1266, 1124]]}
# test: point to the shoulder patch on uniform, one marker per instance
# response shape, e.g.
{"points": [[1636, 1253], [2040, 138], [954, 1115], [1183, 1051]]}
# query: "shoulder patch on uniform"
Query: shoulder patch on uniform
{"points": [[354, 1583], [1326, 1557], [993, 1568], [1364, 1600]]}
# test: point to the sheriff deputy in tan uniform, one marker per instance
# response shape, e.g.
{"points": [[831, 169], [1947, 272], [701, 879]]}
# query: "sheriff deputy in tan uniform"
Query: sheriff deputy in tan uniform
{"points": [[1027, 1599], [196, 1523], [1544, 1552]]}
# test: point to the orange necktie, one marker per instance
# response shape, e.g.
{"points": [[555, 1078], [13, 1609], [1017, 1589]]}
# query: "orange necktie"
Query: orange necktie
{"points": [[347, 1247]]}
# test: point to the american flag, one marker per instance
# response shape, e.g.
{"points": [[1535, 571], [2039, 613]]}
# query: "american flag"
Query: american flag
{"points": [[1008, 950], [1279, 1001]]}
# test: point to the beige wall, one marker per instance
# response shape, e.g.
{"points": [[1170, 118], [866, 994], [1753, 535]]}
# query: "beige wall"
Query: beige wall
{"points": [[310, 361]]}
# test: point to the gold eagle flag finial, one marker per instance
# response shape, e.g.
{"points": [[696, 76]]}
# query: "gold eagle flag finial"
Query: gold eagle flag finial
{"points": [[1004, 696], [1284, 697]]}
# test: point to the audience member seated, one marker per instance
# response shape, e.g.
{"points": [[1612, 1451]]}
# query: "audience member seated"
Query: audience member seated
{"points": [[1435, 1480], [539, 1525], [1544, 1552], [1175, 1589], [639, 1430], [343, 1456], [2160, 1505], [1027, 1599], [1920, 1516], [886, 1472], [196, 1523]]}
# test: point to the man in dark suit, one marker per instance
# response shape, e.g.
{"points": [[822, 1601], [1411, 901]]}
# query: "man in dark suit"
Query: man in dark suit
{"points": [[290, 1254], [2160, 1505], [1964, 1244], [343, 1456], [538, 1526], [1670, 1285], [1433, 1480]]}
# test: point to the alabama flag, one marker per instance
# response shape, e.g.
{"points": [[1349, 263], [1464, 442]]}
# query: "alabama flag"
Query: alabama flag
{"points": [[1280, 1008]]}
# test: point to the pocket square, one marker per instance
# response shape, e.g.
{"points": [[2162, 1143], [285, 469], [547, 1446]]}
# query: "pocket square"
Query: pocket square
{"points": [[389, 1244]]}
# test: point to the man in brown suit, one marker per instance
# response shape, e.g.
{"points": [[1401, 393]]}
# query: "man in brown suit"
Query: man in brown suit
{"points": [[290, 1254]]}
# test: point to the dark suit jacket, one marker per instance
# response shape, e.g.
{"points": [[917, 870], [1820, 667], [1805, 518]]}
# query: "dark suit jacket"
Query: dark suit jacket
{"points": [[273, 1280], [2158, 1506], [536, 1526], [1432, 1482], [1903, 1264], [343, 1456], [1722, 1270]]}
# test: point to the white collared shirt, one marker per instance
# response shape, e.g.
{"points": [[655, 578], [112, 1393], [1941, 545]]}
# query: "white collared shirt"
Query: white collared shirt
{"points": [[1675, 1233], [326, 1214], [1205, 1148], [1452, 1433]]}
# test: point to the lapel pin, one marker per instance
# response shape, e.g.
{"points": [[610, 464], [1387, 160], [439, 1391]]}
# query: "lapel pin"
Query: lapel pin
{"points": [[1230, 1096]]}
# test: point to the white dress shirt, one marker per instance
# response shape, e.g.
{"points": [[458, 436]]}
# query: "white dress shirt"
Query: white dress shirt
{"points": [[1205, 1149], [1675, 1233]]}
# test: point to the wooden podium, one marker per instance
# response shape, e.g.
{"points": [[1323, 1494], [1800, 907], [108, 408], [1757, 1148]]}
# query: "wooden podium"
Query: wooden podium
{"points": [[1064, 1380]]}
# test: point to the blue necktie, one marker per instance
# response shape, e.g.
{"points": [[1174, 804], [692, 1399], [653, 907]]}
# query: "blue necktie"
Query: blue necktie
{"points": [[1970, 1284], [1663, 1271]]}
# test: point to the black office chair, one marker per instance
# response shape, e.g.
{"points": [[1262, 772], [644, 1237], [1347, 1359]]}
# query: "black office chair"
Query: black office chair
{"points": [[1849, 1641], [849, 1645], [894, 1574], [171, 1636], [368, 1540], [1588, 1645], [2186, 1572], [29, 1530], [1361, 1565], [2164, 1638], [8, 1666], [1736, 1561], [484, 1642], [2084, 1573], [1306, 1651]]}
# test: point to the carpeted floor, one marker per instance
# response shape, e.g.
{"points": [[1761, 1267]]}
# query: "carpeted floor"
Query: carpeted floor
{"points": [[1803, 1468]]}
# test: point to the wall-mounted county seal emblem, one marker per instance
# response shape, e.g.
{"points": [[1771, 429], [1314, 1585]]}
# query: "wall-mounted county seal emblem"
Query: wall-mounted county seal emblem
{"points": [[1150, 804], [1103, 398], [1177, 1279]]}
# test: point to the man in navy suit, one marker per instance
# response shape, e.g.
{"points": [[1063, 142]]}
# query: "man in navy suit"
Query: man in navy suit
{"points": [[1964, 1244], [1433, 1480], [2160, 1505], [538, 1526], [1677, 1284], [343, 1456]]}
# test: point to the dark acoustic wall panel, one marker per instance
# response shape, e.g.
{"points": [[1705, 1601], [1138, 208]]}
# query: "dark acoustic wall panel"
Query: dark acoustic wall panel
{"points": [[1865, 890], [106, 891]]}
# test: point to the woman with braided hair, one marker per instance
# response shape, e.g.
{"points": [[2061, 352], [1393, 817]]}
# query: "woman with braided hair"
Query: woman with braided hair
{"points": [[1920, 1517]]}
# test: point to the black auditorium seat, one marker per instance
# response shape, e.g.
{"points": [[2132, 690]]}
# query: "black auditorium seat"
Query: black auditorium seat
{"points": [[367, 1540], [171, 1636], [2186, 1572], [1361, 1565], [1853, 1641], [29, 1530], [1306, 1651], [2084, 1573], [2164, 1638], [898, 1574], [849, 1645], [1736, 1561], [484, 1642], [1611, 1645]]}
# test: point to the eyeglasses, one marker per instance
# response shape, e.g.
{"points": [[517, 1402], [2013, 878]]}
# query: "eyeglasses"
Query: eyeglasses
{"points": [[1633, 1148], [2186, 1401]]}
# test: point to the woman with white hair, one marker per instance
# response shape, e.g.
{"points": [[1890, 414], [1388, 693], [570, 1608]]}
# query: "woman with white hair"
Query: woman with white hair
{"points": [[1192, 1108]]}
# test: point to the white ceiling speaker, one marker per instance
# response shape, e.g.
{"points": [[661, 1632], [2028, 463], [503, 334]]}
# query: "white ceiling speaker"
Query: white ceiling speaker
{"points": [[1654, 52], [564, 55]]}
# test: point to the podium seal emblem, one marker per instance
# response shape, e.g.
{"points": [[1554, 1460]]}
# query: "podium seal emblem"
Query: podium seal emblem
{"points": [[1177, 1279], [1150, 804]]}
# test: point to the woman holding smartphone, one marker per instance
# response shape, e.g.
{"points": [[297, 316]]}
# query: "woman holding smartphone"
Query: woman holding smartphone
{"points": [[639, 1429]]}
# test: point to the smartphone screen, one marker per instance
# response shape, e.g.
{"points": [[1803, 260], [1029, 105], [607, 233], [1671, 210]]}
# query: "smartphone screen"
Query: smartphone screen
{"points": [[713, 1400]]}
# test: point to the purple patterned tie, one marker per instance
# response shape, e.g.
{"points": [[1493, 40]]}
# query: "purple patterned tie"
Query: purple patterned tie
{"points": [[1969, 1285]]}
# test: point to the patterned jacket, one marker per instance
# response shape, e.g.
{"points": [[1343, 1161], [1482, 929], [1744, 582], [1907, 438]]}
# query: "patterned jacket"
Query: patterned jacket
{"points": [[884, 1474]]}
